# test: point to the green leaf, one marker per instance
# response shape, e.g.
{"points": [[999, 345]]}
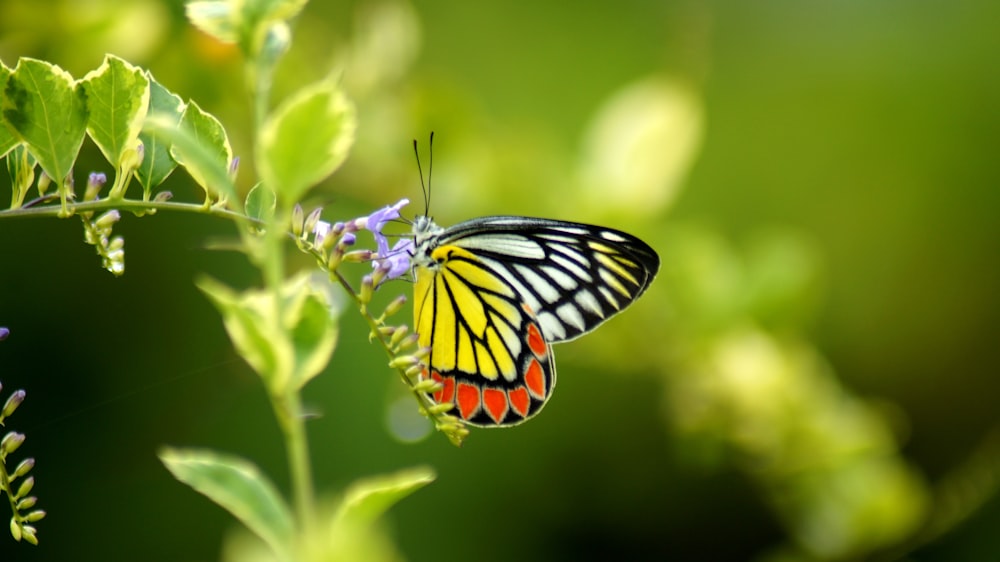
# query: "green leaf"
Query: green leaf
{"points": [[8, 139], [157, 163], [256, 336], [199, 143], [214, 17], [314, 334], [306, 140], [260, 203], [209, 158], [117, 99], [366, 500], [48, 111], [236, 485], [286, 353]]}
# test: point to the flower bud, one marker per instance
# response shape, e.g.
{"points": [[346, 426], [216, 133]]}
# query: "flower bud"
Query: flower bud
{"points": [[403, 362], [12, 403], [428, 386], [311, 220], [438, 409], [25, 488], [15, 529], [398, 336], [4, 332], [26, 503], [297, 220], [415, 371], [44, 181], [329, 239], [367, 288], [107, 220], [36, 515], [408, 341], [163, 196], [29, 534], [358, 256], [95, 182], [131, 158], [395, 305], [23, 468]]}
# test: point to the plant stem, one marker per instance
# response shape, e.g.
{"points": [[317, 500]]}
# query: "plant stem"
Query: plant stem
{"points": [[122, 205], [288, 410]]}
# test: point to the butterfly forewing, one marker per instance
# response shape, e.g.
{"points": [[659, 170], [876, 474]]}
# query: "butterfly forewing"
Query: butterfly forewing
{"points": [[573, 276], [493, 293]]}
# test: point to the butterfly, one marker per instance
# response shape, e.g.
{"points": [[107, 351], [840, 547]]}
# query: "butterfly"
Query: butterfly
{"points": [[492, 295]]}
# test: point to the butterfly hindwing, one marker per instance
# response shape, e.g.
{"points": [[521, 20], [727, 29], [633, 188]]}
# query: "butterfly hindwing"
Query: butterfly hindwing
{"points": [[487, 348], [492, 294]]}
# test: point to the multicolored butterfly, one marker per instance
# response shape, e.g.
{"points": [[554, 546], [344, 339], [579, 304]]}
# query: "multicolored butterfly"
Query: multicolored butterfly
{"points": [[493, 293]]}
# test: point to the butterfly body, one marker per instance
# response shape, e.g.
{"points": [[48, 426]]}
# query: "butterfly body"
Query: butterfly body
{"points": [[493, 293]]}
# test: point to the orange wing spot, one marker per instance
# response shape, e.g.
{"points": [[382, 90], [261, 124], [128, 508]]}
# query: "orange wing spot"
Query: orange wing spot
{"points": [[519, 400], [447, 394], [534, 378], [535, 341], [526, 308], [495, 402], [468, 400]]}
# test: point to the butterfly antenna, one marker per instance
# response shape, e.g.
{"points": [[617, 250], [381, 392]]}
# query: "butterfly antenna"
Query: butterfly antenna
{"points": [[430, 171], [423, 186]]}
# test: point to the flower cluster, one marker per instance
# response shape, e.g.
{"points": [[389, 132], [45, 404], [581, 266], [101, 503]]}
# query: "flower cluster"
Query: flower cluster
{"points": [[329, 243], [97, 232], [21, 503]]}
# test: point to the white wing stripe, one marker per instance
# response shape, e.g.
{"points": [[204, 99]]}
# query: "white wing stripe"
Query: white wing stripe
{"points": [[574, 269], [509, 244], [552, 328], [547, 291], [587, 301], [569, 314], [510, 277], [567, 282]]}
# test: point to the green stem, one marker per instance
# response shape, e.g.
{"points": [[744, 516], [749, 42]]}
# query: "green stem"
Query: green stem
{"points": [[132, 205], [288, 410]]}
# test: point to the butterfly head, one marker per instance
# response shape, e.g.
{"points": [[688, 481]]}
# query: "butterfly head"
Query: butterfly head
{"points": [[425, 238]]}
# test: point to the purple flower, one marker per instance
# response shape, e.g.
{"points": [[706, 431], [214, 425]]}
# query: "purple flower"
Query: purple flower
{"points": [[396, 260]]}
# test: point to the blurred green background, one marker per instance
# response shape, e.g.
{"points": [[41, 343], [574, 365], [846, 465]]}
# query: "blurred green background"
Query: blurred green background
{"points": [[812, 377]]}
